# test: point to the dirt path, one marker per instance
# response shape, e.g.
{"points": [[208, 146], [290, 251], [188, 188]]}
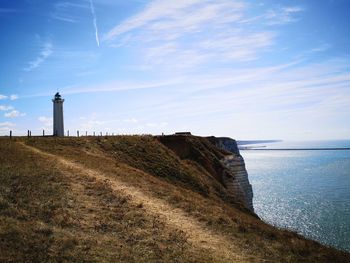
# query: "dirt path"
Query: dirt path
{"points": [[198, 234]]}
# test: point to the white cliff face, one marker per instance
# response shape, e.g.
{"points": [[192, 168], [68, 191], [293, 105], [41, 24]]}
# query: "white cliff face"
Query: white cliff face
{"points": [[236, 180], [235, 177]]}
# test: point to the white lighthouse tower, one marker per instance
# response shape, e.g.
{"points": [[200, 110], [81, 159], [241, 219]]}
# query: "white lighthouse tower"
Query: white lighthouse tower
{"points": [[58, 127]]}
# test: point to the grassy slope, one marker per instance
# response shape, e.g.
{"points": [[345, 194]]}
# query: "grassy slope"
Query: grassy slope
{"points": [[49, 212]]}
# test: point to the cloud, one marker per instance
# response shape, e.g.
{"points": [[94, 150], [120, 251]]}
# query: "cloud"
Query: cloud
{"points": [[5, 108], [11, 97], [118, 86], [154, 11], [283, 15], [163, 16], [45, 53], [189, 34], [131, 120], [46, 122], [14, 114], [317, 92], [91, 123], [14, 97], [66, 11], [7, 123], [322, 48], [63, 18], [156, 124], [94, 22], [5, 127]]}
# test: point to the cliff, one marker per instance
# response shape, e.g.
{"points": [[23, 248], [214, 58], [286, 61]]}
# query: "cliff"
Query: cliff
{"points": [[133, 199], [223, 161]]}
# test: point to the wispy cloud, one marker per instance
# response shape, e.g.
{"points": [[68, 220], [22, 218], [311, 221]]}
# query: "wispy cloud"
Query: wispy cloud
{"points": [[67, 11], [94, 22], [64, 18], [5, 108], [120, 86], [322, 48], [283, 15], [14, 114], [5, 127], [168, 37], [157, 12], [13, 97], [7, 123], [131, 120], [45, 53], [46, 122]]}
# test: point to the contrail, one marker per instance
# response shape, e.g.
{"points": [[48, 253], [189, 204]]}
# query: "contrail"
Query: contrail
{"points": [[95, 22]]}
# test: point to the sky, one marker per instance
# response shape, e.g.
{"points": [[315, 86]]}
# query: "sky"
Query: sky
{"points": [[245, 69]]}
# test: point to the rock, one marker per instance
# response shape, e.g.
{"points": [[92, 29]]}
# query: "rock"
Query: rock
{"points": [[236, 180]]}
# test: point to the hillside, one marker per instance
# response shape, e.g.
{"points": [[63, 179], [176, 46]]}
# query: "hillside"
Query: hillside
{"points": [[132, 199]]}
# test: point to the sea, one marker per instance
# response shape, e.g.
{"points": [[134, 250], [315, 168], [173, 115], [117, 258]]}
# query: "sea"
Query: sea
{"points": [[307, 191]]}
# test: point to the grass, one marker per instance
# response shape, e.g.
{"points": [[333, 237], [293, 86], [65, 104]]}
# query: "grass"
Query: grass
{"points": [[49, 212]]}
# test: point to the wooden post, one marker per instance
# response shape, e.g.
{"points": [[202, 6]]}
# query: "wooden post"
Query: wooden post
{"points": [[68, 133], [94, 134], [28, 133], [101, 133], [43, 133], [77, 133], [86, 134], [10, 134]]}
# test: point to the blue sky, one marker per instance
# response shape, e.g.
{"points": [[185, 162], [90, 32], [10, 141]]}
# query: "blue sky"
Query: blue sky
{"points": [[244, 69]]}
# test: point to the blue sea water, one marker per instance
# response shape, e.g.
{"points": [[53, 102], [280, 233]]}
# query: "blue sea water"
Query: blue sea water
{"points": [[305, 191]]}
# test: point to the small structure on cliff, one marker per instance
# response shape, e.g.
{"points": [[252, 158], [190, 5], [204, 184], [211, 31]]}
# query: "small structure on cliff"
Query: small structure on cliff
{"points": [[183, 133], [58, 123]]}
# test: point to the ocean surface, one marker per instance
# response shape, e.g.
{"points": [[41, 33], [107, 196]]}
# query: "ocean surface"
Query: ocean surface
{"points": [[307, 191]]}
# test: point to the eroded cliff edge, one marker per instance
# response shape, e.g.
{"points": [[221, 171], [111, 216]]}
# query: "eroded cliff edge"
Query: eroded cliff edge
{"points": [[221, 158], [236, 180]]}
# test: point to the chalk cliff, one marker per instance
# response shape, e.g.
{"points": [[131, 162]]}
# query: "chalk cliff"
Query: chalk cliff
{"points": [[221, 158], [237, 182], [236, 178]]}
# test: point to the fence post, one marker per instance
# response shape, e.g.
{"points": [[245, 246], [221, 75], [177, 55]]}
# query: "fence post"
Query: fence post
{"points": [[101, 133], [28, 133], [10, 134], [43, 133], [78, 134], [68, 133], [94, 134]]}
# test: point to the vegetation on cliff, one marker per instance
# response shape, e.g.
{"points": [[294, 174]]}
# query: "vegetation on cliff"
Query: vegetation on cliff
{"points": [[131, 199]]}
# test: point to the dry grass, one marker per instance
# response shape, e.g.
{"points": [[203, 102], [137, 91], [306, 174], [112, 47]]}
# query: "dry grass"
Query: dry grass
{"points": [[130, 199]]}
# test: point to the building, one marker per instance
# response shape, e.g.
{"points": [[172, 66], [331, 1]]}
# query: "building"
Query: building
{"points": [[58, 125], [183, 133]]}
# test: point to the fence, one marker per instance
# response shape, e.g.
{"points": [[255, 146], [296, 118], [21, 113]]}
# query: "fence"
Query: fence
{"points": [[78, 134]]}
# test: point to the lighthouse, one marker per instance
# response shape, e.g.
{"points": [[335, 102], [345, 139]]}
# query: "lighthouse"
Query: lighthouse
{"points": [[58, 127]]}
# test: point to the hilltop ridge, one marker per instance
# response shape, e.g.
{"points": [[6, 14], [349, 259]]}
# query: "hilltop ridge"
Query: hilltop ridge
{"points": [[132, 199]]}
